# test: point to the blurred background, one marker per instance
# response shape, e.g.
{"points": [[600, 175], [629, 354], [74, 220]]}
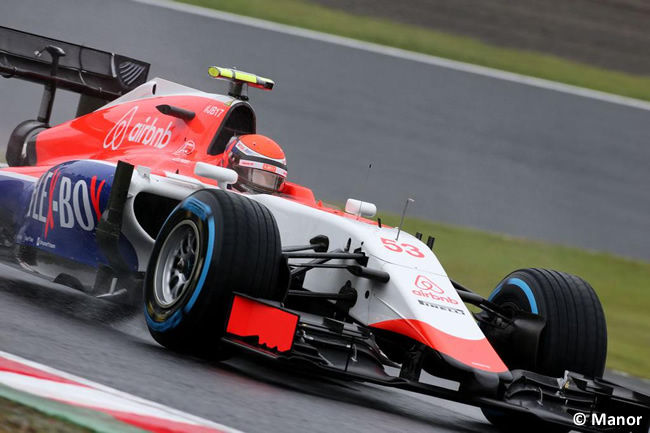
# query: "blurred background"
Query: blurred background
{"points": [[613, 34]]}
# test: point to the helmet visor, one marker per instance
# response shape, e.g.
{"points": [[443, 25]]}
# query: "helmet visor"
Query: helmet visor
{"points": [[259, 180]]}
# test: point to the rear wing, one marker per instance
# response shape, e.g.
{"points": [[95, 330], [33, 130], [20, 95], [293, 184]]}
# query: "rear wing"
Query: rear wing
{"points": [[87, 71]]}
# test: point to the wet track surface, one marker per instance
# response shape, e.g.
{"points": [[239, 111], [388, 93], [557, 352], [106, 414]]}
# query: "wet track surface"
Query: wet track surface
{"points": [[471, 150], [110, 344]]}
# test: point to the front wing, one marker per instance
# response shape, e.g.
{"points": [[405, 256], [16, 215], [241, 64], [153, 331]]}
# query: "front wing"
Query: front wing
{"points": [[348, 351]]}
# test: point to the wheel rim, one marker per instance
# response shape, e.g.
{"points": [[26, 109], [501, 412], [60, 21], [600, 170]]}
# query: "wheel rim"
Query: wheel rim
{"points": [[510, 305], [176, 264]]}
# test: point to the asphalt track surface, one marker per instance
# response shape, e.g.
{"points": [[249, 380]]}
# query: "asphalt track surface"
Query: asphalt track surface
{"points": [[472, 150], [104, 343], [109, 344]]}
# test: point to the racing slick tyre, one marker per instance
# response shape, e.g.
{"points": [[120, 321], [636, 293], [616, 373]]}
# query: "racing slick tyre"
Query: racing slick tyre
{"points": [[17, 146], [575, 335], [213, 243]]}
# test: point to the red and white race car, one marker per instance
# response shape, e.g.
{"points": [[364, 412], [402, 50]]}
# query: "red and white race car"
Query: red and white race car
{"points": [[131, 197]]}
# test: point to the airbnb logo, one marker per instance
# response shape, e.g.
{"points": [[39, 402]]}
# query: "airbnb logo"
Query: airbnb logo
{"points": [[430, 290], [146, 133], [422, 282]]}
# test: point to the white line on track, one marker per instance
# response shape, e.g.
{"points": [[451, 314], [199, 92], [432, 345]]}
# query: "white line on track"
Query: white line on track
{"points": [[402, 54], [86, 393]]}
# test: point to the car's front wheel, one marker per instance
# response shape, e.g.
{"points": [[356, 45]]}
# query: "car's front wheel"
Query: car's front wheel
{"points": [[574, 337], [214, 243]]}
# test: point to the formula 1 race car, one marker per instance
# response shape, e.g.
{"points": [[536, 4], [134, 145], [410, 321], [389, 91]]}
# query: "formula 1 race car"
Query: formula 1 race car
{"points": [[127, 202]]}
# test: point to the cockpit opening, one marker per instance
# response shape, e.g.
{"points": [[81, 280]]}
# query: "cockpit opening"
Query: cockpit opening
{"points": [[239, 120]]}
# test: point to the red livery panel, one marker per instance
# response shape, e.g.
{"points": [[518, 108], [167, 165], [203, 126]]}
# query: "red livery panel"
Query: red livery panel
{"points": [[273, 326]]}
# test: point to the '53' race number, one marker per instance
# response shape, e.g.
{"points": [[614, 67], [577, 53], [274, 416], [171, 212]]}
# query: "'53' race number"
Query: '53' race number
{"points": [[392, 245]]}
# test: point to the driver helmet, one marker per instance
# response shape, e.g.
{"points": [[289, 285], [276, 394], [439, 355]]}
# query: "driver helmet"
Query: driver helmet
{"points": [[259, 163]]}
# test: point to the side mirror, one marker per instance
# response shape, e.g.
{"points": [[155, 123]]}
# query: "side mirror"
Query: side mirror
{"points": [[360, 208], [223, 176]]}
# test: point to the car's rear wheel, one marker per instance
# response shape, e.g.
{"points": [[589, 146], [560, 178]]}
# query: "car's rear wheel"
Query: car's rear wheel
{"points": [[16, 154], [575, 335], [213, 244]]}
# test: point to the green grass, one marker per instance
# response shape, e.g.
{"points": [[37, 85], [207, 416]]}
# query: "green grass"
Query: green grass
{"points": [[480, 260], [15, 417], [303, 14]]}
